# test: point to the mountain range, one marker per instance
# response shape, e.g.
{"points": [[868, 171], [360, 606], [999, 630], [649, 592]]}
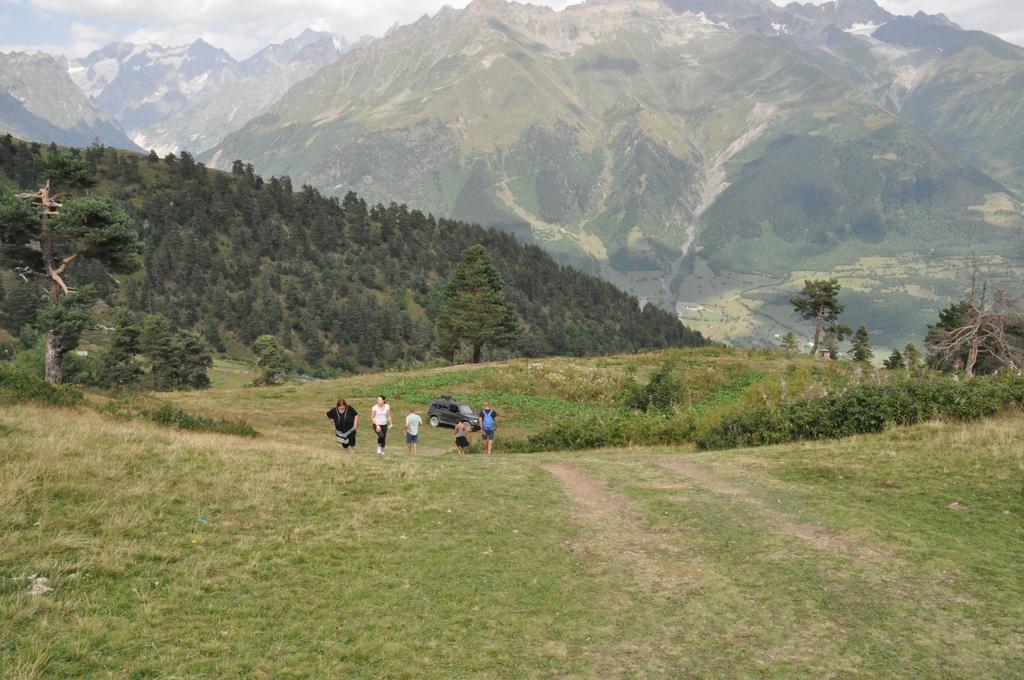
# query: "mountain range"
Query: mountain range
{"points": [[153, 97], [39, 101], [705, 155], [188, 97]]}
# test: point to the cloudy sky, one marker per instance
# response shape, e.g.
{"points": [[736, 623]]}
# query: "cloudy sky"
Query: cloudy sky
{"points": [[76, 27]]}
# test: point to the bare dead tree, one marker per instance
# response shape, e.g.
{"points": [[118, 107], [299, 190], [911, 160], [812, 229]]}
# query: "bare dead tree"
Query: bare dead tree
{"points": [[982, 330]]}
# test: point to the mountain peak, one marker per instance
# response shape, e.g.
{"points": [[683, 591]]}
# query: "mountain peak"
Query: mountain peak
{"points": [[201, 48], [841, 13], [935, 19]]}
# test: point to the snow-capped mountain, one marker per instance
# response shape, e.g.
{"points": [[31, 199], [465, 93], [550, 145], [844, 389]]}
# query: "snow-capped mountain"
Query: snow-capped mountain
{"points": [[142, 84], [38, 102], [190, 96]]}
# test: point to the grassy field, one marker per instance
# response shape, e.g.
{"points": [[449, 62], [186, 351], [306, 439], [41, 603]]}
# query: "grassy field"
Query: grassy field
{"points": [[896, 297], [177, 554]]}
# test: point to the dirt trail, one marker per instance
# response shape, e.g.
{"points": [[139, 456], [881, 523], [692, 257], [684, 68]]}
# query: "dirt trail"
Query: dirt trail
{"points": [[612, 528], [811, 533], [590, 496]]}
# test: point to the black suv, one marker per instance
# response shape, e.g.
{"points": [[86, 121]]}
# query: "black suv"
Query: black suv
{"points": [[446, 411]]}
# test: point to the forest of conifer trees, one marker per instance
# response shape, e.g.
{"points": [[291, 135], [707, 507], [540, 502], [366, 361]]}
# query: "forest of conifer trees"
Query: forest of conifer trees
{"points": [[343, 284]]}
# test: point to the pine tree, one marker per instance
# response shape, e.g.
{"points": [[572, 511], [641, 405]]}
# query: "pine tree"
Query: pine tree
{"points": [[789, 342], [819, 300], [272, 360], [194, 359], [156, 343], [832, 345], [982, 334], [45, 236], [20, 307], [862, 345], [894, 362], [65, 319], [211, 329], [475, 309], [118, 366], [912, 357]]}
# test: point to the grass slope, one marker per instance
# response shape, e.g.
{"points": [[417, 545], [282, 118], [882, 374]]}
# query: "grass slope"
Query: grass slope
{"points": [[198, 555]]}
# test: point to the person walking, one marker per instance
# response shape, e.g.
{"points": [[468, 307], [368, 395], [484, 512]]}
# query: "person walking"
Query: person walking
{"points": [[381, 415], [461, 436], [346, 420], [488, 425], [412, 429]]}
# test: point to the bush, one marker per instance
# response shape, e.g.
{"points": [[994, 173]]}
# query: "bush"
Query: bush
{"points": [[78, 370], [617, 429], [864, 408], [168, 415], [661, 393], [18, 387]]}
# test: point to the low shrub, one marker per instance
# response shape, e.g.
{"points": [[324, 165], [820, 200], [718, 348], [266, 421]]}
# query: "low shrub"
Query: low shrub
{"points": [[862, 409], [17, 387], [168, 415], [660, 393], [613, 430]]}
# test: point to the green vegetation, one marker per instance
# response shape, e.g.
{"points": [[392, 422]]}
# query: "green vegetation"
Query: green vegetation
{"points": [[44, 237], [177, 359], [342, 284], [475, 310], [272, 361], [774, 158], [168, 415], [19, 387], [159, 552], [862, 345], [819, 302], [864, 408], [659, 394]]}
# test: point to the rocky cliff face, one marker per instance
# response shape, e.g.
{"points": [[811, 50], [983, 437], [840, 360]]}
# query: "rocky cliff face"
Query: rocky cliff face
{"points": [[190, 97], [39, 102]]}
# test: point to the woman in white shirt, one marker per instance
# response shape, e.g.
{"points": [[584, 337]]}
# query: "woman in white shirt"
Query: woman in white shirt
{"points": [[381, 416]]}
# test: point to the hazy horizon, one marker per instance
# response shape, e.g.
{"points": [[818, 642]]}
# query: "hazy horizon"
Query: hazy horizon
{"points": [[74, 29]]}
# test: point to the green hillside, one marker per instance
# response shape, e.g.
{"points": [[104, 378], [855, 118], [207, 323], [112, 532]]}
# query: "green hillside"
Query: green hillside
{"points": [[344, 284], [619, 136]]}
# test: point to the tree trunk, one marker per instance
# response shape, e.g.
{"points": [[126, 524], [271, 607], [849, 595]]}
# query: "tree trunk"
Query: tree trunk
{"points": [[972, 359], [476, 353], [817, 332], [54, 359]]}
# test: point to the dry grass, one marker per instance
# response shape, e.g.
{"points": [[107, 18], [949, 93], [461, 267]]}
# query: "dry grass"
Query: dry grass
{"points": [[177, 554]]}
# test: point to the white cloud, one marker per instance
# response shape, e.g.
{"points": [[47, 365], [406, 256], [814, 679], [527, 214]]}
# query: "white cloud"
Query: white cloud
{"points": [[1004, 18], [84, 39], [238, 45], [242, 26]]}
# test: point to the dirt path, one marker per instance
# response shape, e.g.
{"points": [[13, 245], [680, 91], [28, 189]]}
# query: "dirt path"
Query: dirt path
{"points": [[591, 496], [611, 528], [813, 534]]}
